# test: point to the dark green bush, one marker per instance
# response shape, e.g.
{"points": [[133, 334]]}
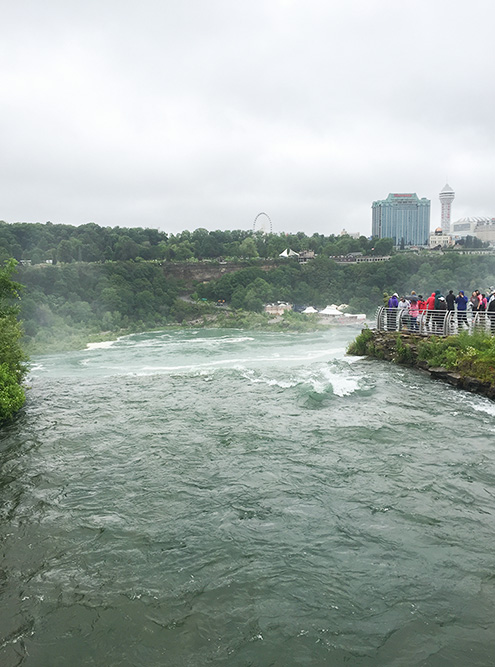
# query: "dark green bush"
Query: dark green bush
{"points": [[363, 343], [12, 368]]}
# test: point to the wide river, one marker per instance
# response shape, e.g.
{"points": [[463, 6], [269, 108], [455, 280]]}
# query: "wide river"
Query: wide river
{"points": [[218, 497]]}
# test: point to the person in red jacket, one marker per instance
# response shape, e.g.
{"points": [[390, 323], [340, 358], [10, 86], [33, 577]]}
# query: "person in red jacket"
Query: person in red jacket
{"points": [[430, 302], [422, 311], [430, 307]]}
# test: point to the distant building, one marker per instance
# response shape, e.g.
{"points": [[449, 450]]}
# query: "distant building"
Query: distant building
{"points": [[357, 257], [353, 235], [446, 197], [402, 217], [485, 230], [468, 226], [278, 308], [439, 238], [305, 256]]}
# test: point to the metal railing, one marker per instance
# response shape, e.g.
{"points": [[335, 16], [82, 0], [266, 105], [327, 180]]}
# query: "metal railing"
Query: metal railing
{"points": [[434, 322]]}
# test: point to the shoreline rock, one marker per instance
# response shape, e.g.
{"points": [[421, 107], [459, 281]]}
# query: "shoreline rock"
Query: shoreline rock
{"points": [[402, 348]]}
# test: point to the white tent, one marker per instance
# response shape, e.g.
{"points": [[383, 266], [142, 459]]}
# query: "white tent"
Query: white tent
{"points": [[309, 310], [331, 310], [289, 253]]}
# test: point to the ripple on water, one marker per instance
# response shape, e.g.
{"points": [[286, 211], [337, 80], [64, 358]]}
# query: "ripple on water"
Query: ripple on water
{"points": [[278, 505]]}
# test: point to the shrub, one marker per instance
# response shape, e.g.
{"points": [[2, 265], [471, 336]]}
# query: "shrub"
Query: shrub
{"points": [[404, 352], [12, 369], [363, 344], [12, 395], [468, 354]]}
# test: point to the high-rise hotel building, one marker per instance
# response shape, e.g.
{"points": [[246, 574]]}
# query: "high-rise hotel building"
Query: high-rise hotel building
{"points": [[402, 217]]}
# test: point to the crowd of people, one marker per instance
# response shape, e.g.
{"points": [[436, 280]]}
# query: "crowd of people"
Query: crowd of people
{"points": [[413, 310]]}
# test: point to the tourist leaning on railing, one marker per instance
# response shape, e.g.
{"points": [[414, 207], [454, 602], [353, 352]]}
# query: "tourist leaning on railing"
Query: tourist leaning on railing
{"points": [[461, 302], [491, 313], [450, 299], [393, 302], [414, 313], [403, 309], [439, 314]]}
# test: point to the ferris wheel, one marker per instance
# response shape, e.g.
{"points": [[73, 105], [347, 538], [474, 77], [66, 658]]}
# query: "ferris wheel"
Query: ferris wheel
{"points": [[262, 223]]}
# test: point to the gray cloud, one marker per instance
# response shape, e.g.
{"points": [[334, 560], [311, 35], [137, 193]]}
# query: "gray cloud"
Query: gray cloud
{"points": [[186, 114]]}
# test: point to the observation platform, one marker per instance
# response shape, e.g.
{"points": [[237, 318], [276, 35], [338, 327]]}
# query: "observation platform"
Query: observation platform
{"points": [[434, 322]]}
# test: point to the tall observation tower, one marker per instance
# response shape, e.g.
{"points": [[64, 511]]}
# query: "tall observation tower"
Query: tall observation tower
{"points": [[447, 196]]}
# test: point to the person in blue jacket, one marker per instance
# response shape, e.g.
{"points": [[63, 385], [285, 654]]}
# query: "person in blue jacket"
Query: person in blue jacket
{"points": [[461, 301]]}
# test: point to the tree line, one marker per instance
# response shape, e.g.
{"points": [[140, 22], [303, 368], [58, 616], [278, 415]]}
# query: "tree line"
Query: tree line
{"points": [[39, 243]]}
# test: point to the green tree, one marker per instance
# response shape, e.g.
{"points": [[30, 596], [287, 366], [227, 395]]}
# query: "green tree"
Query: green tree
{"points": [[12, 369], [247, 248], [383, 247], [181, 251], [126, 248], [64, 251]]}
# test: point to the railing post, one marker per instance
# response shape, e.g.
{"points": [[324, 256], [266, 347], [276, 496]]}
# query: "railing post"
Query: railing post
{"points": [[446, 323], [380, 318]]}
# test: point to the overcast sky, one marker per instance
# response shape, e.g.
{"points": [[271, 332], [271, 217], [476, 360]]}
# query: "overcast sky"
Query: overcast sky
{"points": [[180, 114]]}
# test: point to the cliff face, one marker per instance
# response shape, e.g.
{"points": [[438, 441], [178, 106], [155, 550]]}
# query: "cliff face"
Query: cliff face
{"points": [[191, 272], [403, 348]]}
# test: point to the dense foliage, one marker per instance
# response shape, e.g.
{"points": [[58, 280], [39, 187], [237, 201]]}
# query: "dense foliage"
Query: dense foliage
{"points": [[64, 304], [39, 243], [12, 369], [362, 286]]}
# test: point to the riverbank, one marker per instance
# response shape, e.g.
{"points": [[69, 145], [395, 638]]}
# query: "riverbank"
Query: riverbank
{"points": [[464, 361]]}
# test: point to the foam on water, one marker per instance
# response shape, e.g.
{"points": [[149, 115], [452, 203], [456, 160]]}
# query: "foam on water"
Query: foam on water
{"points": [[319, 379], [482, 405], [102, 345], [34, 368]]}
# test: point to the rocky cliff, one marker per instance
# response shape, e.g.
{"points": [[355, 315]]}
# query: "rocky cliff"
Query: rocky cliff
{"points": [[191, 272]]}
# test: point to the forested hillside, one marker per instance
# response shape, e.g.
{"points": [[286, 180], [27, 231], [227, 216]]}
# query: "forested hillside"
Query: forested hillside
{"points": [[362, 286], [64, 304]]}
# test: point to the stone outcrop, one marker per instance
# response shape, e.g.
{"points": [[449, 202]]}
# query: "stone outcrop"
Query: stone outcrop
{"points": [[191, 272]]}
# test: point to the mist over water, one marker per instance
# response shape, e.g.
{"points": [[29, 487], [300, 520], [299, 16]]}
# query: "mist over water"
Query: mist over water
{"points": [[236, 498]]}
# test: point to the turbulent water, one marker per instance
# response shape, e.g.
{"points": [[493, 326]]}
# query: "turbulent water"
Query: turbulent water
{"points": [[233, 498]]}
